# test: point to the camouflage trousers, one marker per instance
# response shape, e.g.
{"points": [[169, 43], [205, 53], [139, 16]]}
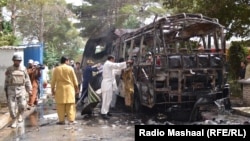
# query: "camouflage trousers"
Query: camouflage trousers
{"points": [[16, 104]]}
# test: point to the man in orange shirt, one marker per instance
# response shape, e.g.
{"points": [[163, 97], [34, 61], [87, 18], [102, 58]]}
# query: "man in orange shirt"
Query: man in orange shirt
{"points": [[34, 73]]}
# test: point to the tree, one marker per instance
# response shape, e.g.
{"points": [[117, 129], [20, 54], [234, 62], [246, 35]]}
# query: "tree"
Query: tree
{"points": [[233, 14], [236, 54], [7, 38], [6, 31], [37, 18], [46, 21], [98, 16], [131, 22], [2, 4]]}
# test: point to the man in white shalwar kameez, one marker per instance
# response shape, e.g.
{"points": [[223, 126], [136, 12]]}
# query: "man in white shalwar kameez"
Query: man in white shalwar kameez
{"points": [[107, 86]]}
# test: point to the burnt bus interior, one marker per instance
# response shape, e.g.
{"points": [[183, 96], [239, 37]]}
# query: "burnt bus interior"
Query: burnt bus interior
{"points": [[169, 69]]}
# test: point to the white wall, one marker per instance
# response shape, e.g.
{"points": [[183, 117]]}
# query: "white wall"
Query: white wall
{"points": [[6, 54]]}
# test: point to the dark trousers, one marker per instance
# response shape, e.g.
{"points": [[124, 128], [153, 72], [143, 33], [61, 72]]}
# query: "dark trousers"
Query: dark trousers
{"points": [[77, 95], [84, 94]]}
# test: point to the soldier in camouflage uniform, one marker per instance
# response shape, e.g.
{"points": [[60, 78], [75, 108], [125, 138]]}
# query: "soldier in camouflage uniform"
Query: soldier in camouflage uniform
{"points": [[17, 83]]}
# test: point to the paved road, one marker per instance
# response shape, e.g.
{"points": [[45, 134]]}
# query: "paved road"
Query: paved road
{"points": [[40, 125]]}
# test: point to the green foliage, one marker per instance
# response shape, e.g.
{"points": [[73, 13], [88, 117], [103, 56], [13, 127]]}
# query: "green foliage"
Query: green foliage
{"points": [[131, 23], [233, 14], [17, 41], [102, 15], [236, 54], [7, 27], [156, 10], [128, 9], [6, 36], [51, 56], [95, 17], [53, 52], [235, 88], [48, 22], [7, 39], [40, 18], [3, 3], [247, 43]]}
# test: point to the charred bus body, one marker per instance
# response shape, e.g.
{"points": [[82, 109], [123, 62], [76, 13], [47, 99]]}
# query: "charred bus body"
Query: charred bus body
{"points": [[170, 72]]}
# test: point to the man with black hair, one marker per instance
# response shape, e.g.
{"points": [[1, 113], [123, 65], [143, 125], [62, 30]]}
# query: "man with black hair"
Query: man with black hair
{"points": [[107, 86], [64, 86], [87, 77]]}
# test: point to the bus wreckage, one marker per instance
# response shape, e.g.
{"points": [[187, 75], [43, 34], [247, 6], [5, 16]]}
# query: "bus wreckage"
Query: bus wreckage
{"points": [[179, 65]]}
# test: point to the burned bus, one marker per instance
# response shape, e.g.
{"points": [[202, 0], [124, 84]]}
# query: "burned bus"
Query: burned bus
{"points": [[179, 63]]}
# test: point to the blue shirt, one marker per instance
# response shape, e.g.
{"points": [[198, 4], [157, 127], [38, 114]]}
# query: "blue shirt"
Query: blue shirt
{"points": [[88, 75]]}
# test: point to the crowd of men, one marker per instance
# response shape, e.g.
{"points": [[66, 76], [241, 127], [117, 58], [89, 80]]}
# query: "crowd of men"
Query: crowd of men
{"points": [[68, 82]]}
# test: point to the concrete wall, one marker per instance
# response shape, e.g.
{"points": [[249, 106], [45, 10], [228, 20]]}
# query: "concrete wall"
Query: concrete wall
{"points": [[6, 54], [246, 94]]}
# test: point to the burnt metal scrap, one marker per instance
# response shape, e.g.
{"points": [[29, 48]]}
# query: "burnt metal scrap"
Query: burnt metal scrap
{"points": [[169, 70]]}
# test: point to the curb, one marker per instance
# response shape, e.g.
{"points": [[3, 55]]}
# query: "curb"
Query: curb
{"points": [[244, 111], [5, 119]]}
